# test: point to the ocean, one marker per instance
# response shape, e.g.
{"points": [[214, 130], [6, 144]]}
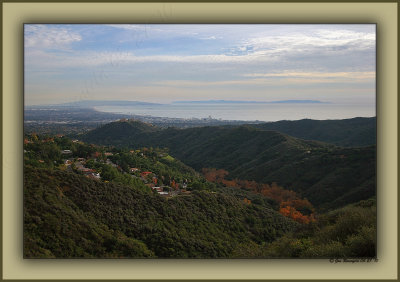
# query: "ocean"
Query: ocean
{"points": [[247, 111]]}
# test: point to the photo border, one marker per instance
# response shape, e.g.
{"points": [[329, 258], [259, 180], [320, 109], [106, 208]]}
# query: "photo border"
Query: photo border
{"points": [[15, 13]]}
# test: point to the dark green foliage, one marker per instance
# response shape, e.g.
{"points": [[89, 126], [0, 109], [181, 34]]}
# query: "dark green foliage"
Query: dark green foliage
{"points": [[327, 175], [344, 233], [54, 226], [68, 215], [353, 132]]}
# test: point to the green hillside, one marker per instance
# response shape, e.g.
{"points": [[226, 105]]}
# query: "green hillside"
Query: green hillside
{"points": [[327, 175], [355, 132], [67, 215], [348, 232]]}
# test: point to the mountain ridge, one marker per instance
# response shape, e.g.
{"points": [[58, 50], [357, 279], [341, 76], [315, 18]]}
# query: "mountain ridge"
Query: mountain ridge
{"points": [[322, 172]]}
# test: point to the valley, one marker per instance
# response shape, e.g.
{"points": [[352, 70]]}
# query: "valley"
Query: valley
{"points": [[133, 189]]}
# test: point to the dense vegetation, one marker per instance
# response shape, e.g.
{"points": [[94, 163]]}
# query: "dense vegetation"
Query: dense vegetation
{"points": [[207, 192], [328, 176], [341, 233], [69, 215], [355, 132]]}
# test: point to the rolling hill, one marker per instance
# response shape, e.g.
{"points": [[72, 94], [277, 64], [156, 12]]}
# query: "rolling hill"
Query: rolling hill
{"points": [[353, 132], [67, 215], [327, 175]]}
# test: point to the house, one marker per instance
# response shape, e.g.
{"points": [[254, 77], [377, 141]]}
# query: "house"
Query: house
{"points": [[158, 189], [108, 154], [145, 173], [93, 175], [96, 155]]}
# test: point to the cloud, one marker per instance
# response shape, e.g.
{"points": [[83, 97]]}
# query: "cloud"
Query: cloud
{"points": [[49, 36], [209, 38], [126, 26], [90, 59], [283, 47], [312, 75], [279, 79], [310, 42]]}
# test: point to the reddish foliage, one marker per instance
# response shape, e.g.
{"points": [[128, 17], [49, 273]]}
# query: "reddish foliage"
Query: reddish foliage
{"points": [[214, 175], [247, 201], [290, 203]]}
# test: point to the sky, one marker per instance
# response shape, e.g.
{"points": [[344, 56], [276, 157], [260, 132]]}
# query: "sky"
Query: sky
{"points": [[166, 63]]}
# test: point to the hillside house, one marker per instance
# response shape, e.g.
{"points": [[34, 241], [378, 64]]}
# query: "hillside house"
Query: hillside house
{"points": [[145, 173], [93, 175], [158, 189], [96, 154]]}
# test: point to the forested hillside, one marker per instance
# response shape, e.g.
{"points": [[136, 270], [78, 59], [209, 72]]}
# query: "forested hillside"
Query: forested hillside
{"points": [[86, 200], [68, 215], [355, 132], [327, 175]]}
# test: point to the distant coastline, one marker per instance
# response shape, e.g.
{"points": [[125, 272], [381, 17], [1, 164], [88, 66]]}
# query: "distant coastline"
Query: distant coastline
{"points": [[223, 109], [121, 103], [251, 102]]}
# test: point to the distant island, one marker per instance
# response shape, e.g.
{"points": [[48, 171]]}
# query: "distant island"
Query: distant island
{"points": [[251, 102], [122, 103], [298, 102]]}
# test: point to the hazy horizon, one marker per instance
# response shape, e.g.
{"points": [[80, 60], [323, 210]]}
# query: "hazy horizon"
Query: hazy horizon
{"points": [[185, 101], [333, 63]]}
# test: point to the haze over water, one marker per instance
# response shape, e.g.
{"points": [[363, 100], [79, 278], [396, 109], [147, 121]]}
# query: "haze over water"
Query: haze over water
{"points": [[247, 112]]}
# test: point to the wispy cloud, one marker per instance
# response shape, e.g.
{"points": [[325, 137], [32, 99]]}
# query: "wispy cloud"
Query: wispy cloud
{"points": [[90, 59], [208, 38], [315, 42], [219, 60], [312, 75], [278, 79], [49, 37], [126, 26]]}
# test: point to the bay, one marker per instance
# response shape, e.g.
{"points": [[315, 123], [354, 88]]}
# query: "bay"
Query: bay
{"points": [[247, 111]]}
